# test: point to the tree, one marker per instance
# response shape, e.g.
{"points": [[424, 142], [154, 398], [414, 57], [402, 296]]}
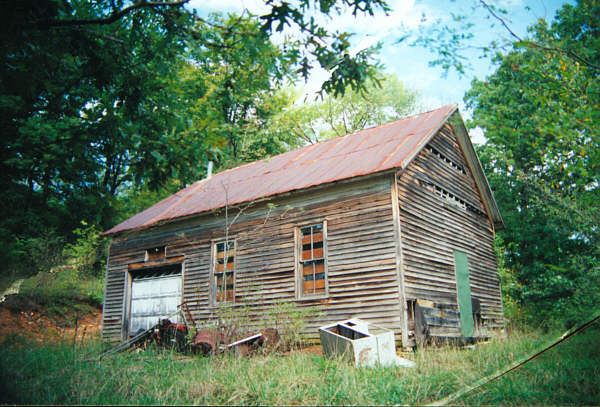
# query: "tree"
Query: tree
{"points": [[452, 40], [242, 81], [95, 98], [314, 43], [540, 113], [383, 100]]}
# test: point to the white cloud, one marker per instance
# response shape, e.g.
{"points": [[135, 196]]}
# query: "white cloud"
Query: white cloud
{"points": [[477, 136], [257, 7]]}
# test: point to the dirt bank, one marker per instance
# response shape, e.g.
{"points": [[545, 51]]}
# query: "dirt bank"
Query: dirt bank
{"points": [[21, 316]]}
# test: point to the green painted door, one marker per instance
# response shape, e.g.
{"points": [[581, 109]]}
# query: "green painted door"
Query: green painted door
{"points": [[464, 293]]}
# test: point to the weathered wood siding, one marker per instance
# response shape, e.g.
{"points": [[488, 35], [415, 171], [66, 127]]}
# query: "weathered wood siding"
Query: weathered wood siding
{"points": [[360, 245], [433, 226], [114, 293]]}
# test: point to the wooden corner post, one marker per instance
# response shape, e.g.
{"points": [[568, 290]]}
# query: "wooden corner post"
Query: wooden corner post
{"points": [[399, 260]]}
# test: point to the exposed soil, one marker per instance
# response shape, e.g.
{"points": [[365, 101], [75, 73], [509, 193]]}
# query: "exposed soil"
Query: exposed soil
{"points": [[313, 350], [21, 316]]}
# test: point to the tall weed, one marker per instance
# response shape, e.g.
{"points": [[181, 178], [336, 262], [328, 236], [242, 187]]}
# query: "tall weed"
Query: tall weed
{"points": [[568, 374]]}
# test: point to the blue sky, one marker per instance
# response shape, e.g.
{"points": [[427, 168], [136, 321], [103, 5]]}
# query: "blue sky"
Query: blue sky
{"points": [[411, 64]]}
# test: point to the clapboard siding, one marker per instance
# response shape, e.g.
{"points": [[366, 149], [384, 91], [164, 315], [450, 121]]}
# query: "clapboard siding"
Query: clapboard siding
{"points": [[432, 227], [390, 239], [361, 252], [112, 315]]}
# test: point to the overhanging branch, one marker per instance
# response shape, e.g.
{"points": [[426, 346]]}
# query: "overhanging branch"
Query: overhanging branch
{"points": [[114, 16], [534, 44]]}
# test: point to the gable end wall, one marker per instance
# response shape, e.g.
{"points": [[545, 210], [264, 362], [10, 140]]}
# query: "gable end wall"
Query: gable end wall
{"points": [[433, 227]]}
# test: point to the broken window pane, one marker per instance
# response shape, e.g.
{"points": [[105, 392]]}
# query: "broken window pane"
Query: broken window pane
{"points": [[224, 271], [312, 261]]}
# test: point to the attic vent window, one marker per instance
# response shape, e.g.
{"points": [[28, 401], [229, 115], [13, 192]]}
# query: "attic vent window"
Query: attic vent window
{"points": [[447, 160], [451, 198], [156, 253]]}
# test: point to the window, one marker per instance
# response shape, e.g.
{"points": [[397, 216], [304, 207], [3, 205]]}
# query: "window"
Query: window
{"points": [[224, 271], [448, 161], [450, 197], [312, 266], [156, 253]]}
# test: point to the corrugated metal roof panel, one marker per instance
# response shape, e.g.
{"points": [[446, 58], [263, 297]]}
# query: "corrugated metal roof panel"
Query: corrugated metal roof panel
{"points": [[365, 152]]}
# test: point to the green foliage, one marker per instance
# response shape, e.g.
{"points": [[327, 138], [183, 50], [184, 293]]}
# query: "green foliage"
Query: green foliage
{"points": [[315, 43], [135, 200], [290, 320], [287, 317], [39, 254], [87, 254], [240, 83], [383, 99], [568, 374], [67, 276], [540, 114], [64, 292], [108, 100]]}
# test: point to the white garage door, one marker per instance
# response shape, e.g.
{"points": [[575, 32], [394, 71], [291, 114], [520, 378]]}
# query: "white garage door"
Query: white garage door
{"points": [[153, 298]]}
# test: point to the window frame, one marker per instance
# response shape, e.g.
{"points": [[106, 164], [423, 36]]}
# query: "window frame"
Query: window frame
{"points": [[213, 271], [298, 262]]}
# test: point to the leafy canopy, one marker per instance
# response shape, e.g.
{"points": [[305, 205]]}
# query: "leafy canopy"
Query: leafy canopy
{"points": [[102, 99], [384, 99], [540, 112]]}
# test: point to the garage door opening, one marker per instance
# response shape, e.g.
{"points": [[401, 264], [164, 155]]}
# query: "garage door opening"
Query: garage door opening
{"points": [[155, 295]]}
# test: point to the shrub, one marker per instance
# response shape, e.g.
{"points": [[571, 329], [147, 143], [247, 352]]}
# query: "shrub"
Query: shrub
{"points": [[71, 281], [39, 254], [88, 252], [290, 320]]}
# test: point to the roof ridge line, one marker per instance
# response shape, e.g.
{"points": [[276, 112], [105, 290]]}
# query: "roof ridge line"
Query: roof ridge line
{"points": [[334, 138], [278, 174]]}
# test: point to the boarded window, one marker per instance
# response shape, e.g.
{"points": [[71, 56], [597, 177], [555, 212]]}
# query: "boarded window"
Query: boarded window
{"points": [[156, 253], [224, 271], [312, 270]]}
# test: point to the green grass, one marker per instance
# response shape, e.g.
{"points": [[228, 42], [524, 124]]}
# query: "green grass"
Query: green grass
{"points": [[63, 292], [568, 374]]}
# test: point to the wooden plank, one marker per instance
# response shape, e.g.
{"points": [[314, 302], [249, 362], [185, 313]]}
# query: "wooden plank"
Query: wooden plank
{"points": [[399, 261], [316, 238], [221, 267], [310, 269], [362, 221], [432, 229], [159, 263], [312, 254]]}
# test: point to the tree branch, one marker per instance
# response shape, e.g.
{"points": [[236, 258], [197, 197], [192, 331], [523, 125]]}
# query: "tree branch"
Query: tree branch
{"points": [[114, 16], [533, 44]]}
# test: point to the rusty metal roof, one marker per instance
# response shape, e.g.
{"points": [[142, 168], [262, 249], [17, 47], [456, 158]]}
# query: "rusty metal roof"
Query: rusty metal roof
{"points": [[368, 151]]}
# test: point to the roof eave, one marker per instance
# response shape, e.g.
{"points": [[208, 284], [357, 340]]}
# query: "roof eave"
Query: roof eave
{"points": [[164, 222]]}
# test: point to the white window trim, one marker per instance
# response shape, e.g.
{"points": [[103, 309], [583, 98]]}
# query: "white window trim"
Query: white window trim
{"points": [[126, 308], [297, 261]]}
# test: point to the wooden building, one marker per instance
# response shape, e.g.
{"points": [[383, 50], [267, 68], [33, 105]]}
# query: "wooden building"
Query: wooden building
{"points": [[393, 224]]}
